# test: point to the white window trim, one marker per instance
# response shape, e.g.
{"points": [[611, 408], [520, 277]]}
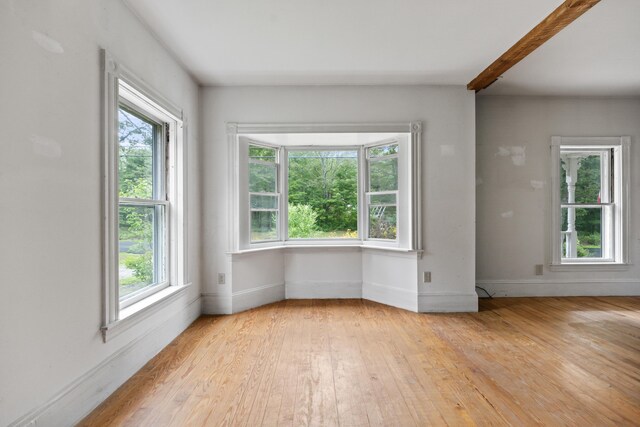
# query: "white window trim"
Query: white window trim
{"points": [[114, 317], [414, 129], [621, 216]]}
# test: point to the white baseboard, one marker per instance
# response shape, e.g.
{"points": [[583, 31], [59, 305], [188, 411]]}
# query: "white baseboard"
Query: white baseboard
{"points": [[214, 303], [255, 297], [323, 289], [447, 303], [390, 295], [561, 288], [80, 397]]}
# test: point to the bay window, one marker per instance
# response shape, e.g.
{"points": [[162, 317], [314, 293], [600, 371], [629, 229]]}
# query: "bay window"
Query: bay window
{"points": [[325, 186]]}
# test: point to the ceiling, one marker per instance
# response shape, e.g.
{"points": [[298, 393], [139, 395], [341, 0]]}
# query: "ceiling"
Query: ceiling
{"points": [[327, 42], [598, 54]]}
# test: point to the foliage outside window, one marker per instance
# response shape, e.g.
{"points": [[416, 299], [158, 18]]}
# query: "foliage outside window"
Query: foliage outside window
{"points": [[322, 194]]}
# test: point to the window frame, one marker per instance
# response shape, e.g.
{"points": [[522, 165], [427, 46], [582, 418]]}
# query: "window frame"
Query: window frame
{"points": [[120, 87], [617, 193], [411, 132]]}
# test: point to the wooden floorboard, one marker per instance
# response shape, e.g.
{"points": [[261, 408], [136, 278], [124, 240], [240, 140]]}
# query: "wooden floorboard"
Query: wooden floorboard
{"points": [[519, 361]]}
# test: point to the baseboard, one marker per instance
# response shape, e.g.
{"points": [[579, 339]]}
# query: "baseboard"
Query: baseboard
{"points": [[561, 288], [323, 289], [390, 295], [447, 303], [214, 303], [71, 404], [255, 297]]}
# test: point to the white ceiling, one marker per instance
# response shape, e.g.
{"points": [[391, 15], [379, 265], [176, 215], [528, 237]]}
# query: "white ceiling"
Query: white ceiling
{"points": [[322, 42]]}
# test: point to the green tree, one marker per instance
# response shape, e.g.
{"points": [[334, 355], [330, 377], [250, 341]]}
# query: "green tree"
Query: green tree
{"points": [[302, 221], [135, 180], [327, 181]]}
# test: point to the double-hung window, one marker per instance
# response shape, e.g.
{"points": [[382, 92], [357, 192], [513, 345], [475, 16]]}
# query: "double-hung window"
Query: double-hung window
{"points": [[143, 225], [264, 197], [144, 197], [382, 191], [590, 200]]}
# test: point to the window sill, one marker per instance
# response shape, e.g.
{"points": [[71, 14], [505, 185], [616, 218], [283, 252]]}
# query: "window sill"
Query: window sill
{"points": [[583, 266], [358, 245], [135, 313]]}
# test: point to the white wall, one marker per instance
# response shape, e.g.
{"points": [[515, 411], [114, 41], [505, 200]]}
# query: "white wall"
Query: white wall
{"points": [[50, 214], [323, 273], [390, 278], [513, 194], [448, 164]]}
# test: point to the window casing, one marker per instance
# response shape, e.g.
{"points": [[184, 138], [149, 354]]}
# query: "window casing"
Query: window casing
{"points": [[379, 198], [589, 201], [144, 187]]}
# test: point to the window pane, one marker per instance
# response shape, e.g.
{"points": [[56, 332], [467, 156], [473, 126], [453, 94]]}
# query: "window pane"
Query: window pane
{"points": [[382, 222], [323, 194], [587, 171], [262, 178], [383, 150], [587, 238], [264, 202], [262, 153], [383, 175], [264, 225], [136, 141], [382, 199], [140, 253]]}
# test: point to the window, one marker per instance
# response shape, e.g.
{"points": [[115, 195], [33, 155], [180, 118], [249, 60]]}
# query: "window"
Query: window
{"points": [[382, 191], [322, 193], [590, 198], [264, 198], [324, 188], [142, 204], [144, 196]]}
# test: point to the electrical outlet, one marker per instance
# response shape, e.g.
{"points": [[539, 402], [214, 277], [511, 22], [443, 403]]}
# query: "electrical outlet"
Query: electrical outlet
{"points": [[221, 279], [426, 277], [539, 269]]}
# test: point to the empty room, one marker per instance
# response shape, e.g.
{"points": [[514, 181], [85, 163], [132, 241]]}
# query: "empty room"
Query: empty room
{"points": [[319, 213]]}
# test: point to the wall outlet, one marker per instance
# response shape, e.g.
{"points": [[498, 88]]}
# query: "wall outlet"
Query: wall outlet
{"points": [[426, 277], [221, 279], [539, 269]]}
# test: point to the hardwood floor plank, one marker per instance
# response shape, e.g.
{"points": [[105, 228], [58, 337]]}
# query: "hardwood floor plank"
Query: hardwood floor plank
{"points": [[526, 361]]}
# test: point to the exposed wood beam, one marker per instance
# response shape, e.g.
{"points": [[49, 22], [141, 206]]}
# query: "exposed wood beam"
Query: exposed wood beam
{"points": [[564, 15]]}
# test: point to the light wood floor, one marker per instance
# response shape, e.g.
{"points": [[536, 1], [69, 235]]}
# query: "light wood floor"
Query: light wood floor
{"points": [[550, 361]]}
